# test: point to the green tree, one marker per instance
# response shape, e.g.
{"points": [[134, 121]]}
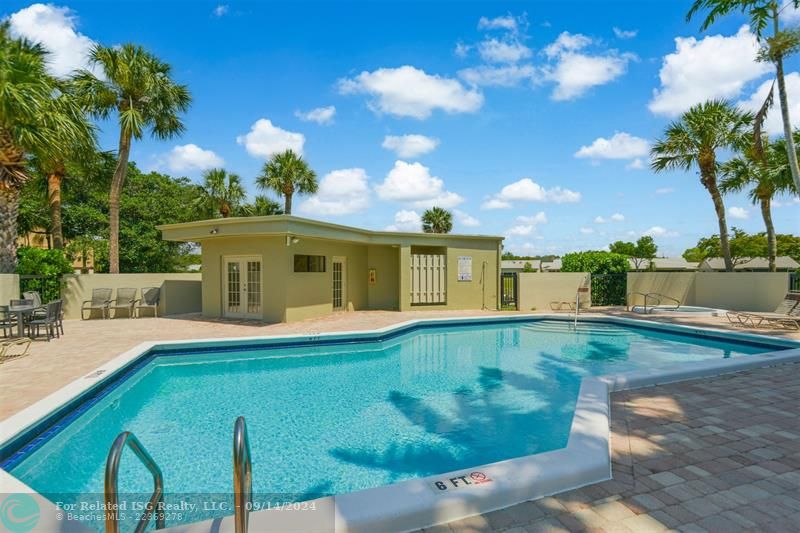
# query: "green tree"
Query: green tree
{"points": [[221, 194], [763, 175], [644, 249], [437, 220], [35, 119], [51, 264], [137, 86], [594, 262], [261, 206], [287, 174], [764, 14], [743, 246], [693, 141]]}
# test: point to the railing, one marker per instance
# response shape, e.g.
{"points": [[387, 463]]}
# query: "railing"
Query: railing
{"points": [[156, 503], [628, 305], [242, 476], [48, 287], [794, 281], [656, 296]]}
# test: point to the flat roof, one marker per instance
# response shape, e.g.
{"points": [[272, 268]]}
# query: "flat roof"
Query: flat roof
{"points": [[201, 230]]}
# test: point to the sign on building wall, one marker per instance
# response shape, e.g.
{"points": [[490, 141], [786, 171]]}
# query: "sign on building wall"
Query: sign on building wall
{"points": [[464, 268], [373, 276]]}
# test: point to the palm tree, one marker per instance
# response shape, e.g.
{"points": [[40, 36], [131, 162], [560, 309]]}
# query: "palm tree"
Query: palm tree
{"points": [[765, 175], [286, 174], [437, 220], [262, 206], [693, 140], [137, 86], [222, 193], [34, 120], [763, 14]]}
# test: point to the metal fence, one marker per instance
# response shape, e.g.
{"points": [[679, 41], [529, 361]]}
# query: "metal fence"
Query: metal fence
{"points": [[510, 292], [48, 287], [794, 281], [609, 289]]}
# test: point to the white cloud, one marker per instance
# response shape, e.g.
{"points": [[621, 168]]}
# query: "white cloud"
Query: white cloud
{"points": [[412, 183], [221, 10], [636, 164], [54, 27], [507, 23], [739, 213], [341, 192], [567, 42], [586, 231], [713, 67], [265, 139], [621, 146], [462, 49], [538, 218], [465, 219], [191, 157], [599, 220], [529, 191], [618, 217], [504, 76], [665, 190], [576, 73], [774, 123], [521, 230], [407, 221], [410, 145], [624, 34], [794, 200], [503, 51], [659, 231], [410, 92], [320, 115]]}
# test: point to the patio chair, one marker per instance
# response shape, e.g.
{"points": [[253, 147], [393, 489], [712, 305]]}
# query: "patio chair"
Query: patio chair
{"points": [[150, 299], [49, 321], [14, 349], [126, 299], [786, 315], [33, 296], [6, 321], [101, 299]]}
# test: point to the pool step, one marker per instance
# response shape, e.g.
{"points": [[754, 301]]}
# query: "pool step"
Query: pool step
{"points": [[583, 327]]}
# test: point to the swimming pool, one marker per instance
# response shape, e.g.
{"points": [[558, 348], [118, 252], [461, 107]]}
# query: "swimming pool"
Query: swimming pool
{"points": [[334, 416]]}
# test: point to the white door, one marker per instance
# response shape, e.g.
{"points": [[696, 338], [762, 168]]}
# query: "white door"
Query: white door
{"points": [[339, 283], [242, 287]]}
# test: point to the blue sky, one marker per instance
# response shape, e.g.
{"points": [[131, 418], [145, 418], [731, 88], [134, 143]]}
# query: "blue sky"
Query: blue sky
{"points": [[527, 119]]}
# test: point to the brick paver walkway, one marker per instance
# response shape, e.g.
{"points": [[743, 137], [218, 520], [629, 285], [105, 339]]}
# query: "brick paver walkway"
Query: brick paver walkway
{"points": [[718, 455]]}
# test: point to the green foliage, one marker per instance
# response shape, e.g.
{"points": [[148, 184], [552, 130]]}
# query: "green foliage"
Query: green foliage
{"points": [[286, 174], [221, 194], [643, 250], [594, 262], [744, 245], [48, 266], [528, 268], [437, 220], [262, 206]]}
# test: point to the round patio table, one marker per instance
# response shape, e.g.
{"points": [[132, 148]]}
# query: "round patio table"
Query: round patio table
{"points": [[21, 311]]}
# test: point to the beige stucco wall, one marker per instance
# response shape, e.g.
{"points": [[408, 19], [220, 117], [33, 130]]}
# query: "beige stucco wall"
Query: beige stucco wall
{"points": [[183, 298], [538, 289], [9, 288], [740, 291], [386, 291]]}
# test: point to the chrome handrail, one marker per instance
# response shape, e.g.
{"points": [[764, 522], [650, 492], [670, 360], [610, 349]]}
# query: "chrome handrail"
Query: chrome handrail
{"points": [[628, 306], [242, 476], [664, 296], [112, 486], [651, 295]]}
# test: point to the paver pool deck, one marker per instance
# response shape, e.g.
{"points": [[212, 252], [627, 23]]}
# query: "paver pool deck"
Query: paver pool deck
{"points": [[718, 454]]}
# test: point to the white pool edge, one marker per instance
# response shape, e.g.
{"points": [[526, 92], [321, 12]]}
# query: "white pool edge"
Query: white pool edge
{"points": [[414, 503]]}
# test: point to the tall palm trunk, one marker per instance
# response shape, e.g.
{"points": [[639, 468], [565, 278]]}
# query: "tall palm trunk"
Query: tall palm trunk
{"points": [[287, 203], [787, 123], [708, 176], [113, 201], [9, 206], [54, 180], [772, 241]]}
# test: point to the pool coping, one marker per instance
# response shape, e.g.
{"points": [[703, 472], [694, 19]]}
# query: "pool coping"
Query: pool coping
{"points": [[417, 503]]}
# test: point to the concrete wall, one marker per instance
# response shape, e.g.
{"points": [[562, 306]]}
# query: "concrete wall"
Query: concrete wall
{"points": [[180, 293], [385, 293], [538, 289], [9, 288], [739, 291]]}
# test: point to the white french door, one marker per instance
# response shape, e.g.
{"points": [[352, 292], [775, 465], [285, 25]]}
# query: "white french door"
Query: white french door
{"points": [[242, 287], [339, 283]]}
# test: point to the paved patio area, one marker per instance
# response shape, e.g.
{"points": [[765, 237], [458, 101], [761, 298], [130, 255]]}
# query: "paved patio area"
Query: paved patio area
{"points": [[718, 455]]}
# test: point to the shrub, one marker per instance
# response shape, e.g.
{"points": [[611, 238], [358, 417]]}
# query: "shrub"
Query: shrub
{"points": [[594, 262], [47, 265]]}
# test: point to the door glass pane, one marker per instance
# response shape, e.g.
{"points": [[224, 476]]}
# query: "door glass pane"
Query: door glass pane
{"points": [[254, 287], [337, 285], [234, 288]]}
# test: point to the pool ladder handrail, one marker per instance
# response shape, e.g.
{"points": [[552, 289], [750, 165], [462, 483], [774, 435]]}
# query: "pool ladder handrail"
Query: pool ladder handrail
{"points": [[155, 506], [665, 297], [628, 306], [242, 476]]}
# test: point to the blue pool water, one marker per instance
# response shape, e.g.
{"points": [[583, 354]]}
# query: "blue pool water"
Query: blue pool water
{"points": [[339, 418]]}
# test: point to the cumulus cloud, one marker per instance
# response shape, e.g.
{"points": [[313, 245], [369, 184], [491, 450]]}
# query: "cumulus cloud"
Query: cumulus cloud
{"points": [[624, 34], [407, 221], [739, 213], [54, 28], [503, 51], [320, 115], [413, 184], [621, 146], [503, 76], [527, 224], [410, 145], [586, 231], [774, 123], [794, 200], [527, 190], [713, 67], [659, 231], [221, 10], [265, 139], [538, 218], [410, 92], [618, 217], [189, 157], [665, 190], [507, 22], [465, 219], [636, 164], [341, 192]]}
